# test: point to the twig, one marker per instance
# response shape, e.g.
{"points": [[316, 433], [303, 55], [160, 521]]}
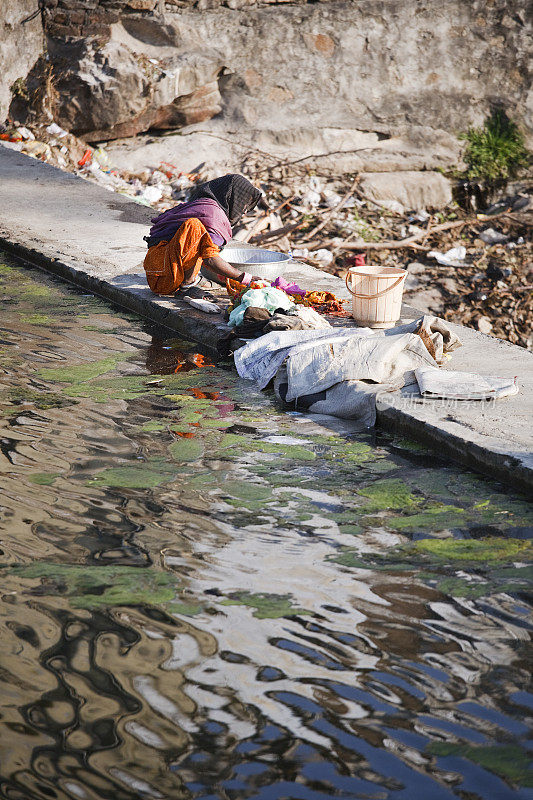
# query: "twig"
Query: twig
{"points": [[332, 211], [428, 230], [409, 242], [277, 234]]}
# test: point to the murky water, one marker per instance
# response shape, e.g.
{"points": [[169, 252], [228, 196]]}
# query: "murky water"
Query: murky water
{"points": [[203, 597]]}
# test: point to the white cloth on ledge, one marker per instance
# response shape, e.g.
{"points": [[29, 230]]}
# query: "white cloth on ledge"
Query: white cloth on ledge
{"points": [[451, 385]]}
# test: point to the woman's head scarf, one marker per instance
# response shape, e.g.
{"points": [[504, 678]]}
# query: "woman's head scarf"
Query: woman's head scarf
{"points": [[233, 193]]}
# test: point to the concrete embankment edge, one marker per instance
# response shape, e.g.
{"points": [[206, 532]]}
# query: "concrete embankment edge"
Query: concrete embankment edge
{"points": [[506, 467], [191, 328]]}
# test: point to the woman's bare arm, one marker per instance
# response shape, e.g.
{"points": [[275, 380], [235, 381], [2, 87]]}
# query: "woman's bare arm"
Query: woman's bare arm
{"points": [[220, 267]]}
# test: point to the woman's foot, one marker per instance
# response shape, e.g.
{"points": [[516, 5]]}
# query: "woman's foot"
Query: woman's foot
{"points": [[198, 290]]}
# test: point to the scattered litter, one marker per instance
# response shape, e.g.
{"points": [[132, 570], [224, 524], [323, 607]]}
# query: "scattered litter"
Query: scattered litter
{"points": [[311, 199], [451, 258], [324, 257], [55, 130], [392, 205], [86, 158], [151, 194], [300, 252], [484, 325], [25, 133], [490, 236], [301, 214]]}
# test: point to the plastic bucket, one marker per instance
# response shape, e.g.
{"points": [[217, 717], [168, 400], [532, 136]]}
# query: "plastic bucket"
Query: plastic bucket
{"points": [[376, 295]]}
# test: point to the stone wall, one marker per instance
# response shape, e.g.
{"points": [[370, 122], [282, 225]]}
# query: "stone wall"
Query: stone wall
{"points": [[21, 42], [365, 71]]}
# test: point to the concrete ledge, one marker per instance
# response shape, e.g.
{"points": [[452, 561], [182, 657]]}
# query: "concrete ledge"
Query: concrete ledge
{"points": [[93, 238]]}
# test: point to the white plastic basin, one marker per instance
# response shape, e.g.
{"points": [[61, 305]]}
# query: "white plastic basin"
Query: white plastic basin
{"points": [[268, 264]]}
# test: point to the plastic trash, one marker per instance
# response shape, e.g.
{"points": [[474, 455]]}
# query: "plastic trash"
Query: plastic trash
{"points": [[490, 236], [332, 199], [25, 133], [451, 258], [11, 136], [300, 252], [392, 205], [37, 149], [152, 194], [86, 158], [311, 198], [101, 157], [55, 130], [323, 256], [12, 145]]}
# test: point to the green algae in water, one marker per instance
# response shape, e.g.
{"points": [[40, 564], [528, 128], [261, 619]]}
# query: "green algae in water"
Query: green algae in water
{"points": [[98, 329], [93, 587], [82, 372], [145, 476], [153, 425], [291, 451], [43, 478], [243, 490], [389, 494], [475, 552], [41, 400], [484, 551], [520, 580], [267, 606], [436, 517], [510, 762], [38, 319], [186, 450], [185, 609]]}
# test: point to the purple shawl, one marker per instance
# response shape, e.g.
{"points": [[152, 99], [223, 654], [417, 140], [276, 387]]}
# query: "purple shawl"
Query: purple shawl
{"points": [[206, 210]]}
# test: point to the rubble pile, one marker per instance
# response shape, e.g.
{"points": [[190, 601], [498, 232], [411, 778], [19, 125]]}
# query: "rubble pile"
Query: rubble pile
{"points": [[474, 269]]}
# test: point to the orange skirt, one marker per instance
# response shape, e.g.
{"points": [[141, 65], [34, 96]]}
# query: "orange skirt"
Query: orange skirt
{"points": [[169, 264]]}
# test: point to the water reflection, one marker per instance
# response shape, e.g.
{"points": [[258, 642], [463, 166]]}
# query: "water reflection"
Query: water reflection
{"points": [[201, 596]]}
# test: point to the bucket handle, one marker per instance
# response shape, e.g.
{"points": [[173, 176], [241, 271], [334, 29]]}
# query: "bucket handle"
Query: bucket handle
{"points": [[377, 294]]}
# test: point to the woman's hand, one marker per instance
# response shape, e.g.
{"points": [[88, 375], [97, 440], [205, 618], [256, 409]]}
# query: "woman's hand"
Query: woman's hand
{"points": [[217, 265]]}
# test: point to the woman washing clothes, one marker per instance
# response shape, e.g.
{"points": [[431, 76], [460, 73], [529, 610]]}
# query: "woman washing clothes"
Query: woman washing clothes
{"points": [[189, 236]]}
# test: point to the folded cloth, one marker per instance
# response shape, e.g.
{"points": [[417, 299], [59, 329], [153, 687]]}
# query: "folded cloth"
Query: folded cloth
{"points": [[318, 359], [452, 385], [388, 360], [313, 319], [268, 298], [340, 371]]}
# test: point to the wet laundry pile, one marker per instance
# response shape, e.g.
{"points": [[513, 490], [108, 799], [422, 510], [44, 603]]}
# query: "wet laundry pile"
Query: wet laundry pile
{"points": [[341, 371], [265, 308]]}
